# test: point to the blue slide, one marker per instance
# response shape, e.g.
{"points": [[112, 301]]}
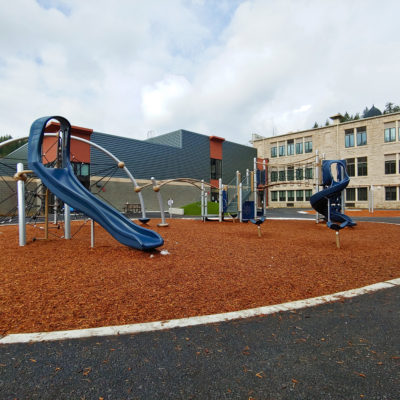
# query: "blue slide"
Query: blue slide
{"points": [[63, 183], [328, 201]]}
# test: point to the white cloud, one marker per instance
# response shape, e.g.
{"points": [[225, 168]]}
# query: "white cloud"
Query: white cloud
{"points": [[229, 68]]}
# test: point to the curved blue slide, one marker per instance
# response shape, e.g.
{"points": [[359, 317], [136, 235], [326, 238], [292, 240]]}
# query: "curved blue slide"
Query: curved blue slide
{"points": [[63, 183], [328, 201]]}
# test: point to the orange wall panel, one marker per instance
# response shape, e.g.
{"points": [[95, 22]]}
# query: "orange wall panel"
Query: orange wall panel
{"points": [[216, 147], [79, 151]]}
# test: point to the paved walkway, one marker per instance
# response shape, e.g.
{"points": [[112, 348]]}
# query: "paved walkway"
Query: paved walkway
{"points": [[342, 350]]}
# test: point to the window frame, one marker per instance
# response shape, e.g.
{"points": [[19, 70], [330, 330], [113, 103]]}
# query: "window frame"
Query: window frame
{"points": [[300, 198], [290, 147], [352, 197], [390, 167], [351, 167], [290, 173], [362, 166], [390, 135], [307, 194], [299, 147], [361, 198], [391, 192], [308, 146], [361, 136], [349, 138]]}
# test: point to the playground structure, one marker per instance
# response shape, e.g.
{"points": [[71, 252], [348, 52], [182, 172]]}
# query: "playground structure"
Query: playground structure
{"points": [[75, 195], [239, 198], [329, 201], [62, 182]]}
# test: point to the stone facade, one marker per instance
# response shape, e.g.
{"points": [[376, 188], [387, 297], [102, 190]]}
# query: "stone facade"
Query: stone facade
{"points": [[371, 147]]}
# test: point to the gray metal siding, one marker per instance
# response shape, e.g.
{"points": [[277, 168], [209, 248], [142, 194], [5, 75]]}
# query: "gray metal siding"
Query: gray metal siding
{"points": [[236, 157], [173, 139], [144, 159]]}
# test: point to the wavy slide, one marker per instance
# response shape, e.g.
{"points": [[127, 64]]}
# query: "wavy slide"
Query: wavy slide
{"points": [[63, 183], [328, 201]]}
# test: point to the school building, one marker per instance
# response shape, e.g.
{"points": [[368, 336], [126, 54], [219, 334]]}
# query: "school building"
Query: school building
{"points": [[371, 147], [178, 154]]}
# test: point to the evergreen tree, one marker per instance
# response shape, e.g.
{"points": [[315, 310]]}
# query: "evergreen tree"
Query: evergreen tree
{"points": [[327, 123], [315, 125], [388, 108], [365, 112]]}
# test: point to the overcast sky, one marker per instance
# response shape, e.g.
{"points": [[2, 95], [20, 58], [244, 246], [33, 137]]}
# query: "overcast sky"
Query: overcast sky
{"points": [[228, 68]]}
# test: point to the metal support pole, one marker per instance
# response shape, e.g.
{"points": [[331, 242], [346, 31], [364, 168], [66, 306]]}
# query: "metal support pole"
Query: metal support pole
{"points": [[205, 204], [317, 180], [92, 233], [202, 200], [67, 221], [220, 200], [160, 202], [265, 189], [21, 207], [240, 207], [55, 207], [371, 199], [46, 214], [255, 187]]}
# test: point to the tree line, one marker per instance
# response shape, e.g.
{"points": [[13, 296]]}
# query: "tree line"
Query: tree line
{"points": [[346, 117]]}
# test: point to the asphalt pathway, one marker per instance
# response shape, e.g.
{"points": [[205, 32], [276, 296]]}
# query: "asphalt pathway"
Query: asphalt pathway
{"points": [[344, 350]]}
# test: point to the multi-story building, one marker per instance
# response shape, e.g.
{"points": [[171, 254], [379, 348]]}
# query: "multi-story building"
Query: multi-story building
{"points": [[371, 147]]}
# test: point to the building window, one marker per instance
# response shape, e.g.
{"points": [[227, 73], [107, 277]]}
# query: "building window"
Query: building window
{"points": [[350, 194], [309, 173], [282, 195], [290, 147], [299, 174], [282, 175], [362, 194], [349, 138], [390, 193], [82, 172], [299, 147], [351, 167], [308, 145], [308, 194], [361, 136], [281, 150], [299, 195], [390, 134], [274, 196], [390, 164], [274, 176], [290, 195], [273, 152], [362, 166], [216, 168], [290, 173]]}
